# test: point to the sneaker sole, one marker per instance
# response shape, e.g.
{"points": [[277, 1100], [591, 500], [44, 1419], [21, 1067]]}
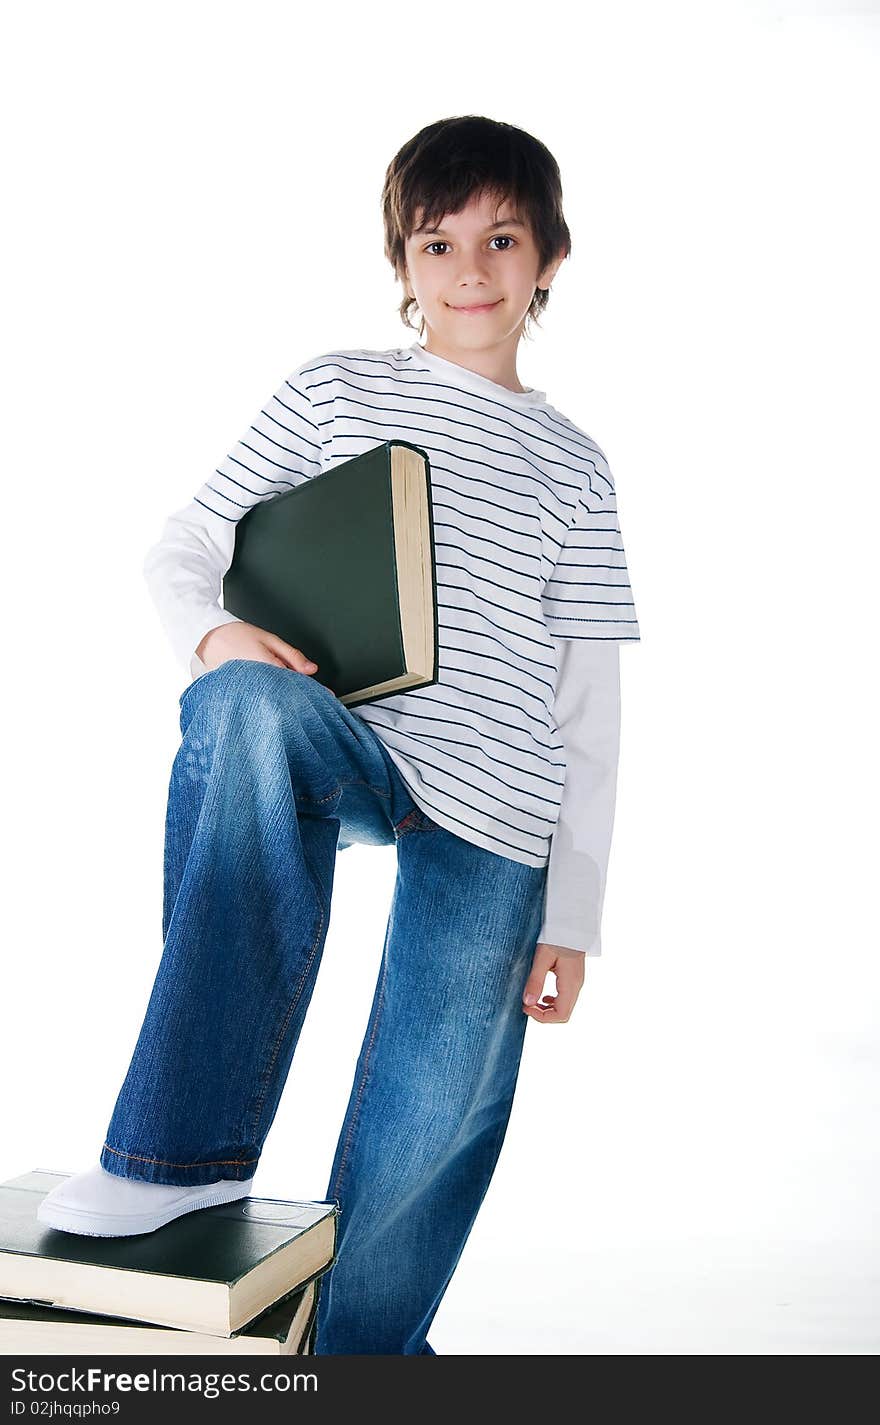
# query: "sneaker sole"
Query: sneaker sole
{"points": [[96, 1224]]}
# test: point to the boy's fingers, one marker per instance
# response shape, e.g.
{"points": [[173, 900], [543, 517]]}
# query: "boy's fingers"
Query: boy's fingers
{"points": [[548, 1008], [534, 986], [556, 1007], [293, 657]]}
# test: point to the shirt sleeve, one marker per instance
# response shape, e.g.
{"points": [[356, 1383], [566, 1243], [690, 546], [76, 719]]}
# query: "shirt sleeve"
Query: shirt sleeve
{"points": [[588, 594], [279, 450], [587, 712]]}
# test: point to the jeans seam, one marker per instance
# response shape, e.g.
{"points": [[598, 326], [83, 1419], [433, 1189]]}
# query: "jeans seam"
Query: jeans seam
{"points": [[380, 1005], [351, 782], [316, 801], [258, 1112], [165, 1163]]}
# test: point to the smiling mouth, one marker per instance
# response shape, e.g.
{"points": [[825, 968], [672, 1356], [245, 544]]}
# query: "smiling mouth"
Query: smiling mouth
{"points": [[475, 307]]}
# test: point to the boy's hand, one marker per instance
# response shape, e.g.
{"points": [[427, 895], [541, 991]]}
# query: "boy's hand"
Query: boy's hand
{"points": [[570, 973], [246, 640]]}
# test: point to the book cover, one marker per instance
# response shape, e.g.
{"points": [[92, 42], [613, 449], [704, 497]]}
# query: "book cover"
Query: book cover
{"points": [[343, 568]]}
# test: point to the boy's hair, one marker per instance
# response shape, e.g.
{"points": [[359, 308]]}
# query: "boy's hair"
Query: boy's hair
{"points": [[447, 163]]}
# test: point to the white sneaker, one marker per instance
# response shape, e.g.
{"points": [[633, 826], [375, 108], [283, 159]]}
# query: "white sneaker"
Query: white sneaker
{"points": [[100, 1204]]}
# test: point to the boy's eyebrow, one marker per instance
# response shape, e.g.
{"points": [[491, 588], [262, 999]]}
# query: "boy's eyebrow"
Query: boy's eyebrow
{"points": [[505, 223]]}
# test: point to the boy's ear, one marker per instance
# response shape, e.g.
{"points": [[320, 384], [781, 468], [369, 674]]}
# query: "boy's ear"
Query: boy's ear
{"points": [[550, 271]]}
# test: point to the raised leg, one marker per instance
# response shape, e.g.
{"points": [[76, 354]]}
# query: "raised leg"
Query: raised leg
{"points": [[269, 766]]}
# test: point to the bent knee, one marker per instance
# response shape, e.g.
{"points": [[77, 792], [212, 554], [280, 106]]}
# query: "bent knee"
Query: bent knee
{"points": [[240, 683]]}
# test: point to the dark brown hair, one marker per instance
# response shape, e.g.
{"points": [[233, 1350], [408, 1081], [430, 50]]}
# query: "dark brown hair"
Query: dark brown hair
{"points": [[449, 162]]}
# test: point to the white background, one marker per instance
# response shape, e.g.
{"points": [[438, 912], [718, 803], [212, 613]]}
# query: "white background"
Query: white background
{"points": [[692, 1162]]}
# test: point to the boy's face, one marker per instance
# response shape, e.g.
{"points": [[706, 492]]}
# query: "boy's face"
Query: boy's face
{"points": [[480, 259]]}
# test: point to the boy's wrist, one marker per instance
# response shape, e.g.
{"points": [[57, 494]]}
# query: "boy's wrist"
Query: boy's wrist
{"points": [[206, 638]]}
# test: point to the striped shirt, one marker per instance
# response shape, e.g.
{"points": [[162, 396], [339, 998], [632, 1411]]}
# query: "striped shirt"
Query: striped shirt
{"points": [[528, 549]]}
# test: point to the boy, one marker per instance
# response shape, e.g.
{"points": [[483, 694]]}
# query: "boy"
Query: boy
{"points": [[496, 784]]}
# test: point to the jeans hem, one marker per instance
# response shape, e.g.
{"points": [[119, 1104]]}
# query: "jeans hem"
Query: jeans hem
{"points": [[173, 1174]]}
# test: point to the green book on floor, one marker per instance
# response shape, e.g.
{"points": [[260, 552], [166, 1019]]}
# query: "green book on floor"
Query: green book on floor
{"points": [[342, 567], [28, 1328], [213, 1270]]}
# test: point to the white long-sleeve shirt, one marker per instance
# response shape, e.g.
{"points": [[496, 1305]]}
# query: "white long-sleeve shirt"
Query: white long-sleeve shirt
{"points": [[588, 714], [339, 404]]}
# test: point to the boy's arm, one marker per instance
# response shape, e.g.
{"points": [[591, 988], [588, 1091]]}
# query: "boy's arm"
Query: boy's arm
{"points": [[587, 713], [184, 571]]}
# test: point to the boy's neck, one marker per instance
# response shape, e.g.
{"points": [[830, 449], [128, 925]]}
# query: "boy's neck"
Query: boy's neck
{"points": [[495, 363]]}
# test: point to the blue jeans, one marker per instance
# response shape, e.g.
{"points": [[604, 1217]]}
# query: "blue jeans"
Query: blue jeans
{"points": [[273, 771]]}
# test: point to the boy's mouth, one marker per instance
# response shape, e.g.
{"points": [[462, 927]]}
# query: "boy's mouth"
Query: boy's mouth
{"points": [[476, 307]]}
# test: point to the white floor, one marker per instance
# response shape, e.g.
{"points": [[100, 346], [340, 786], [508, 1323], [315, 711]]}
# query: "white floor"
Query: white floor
{"points": [[691, 1297]]}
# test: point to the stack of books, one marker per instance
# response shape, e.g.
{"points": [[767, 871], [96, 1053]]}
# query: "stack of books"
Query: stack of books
{"points": [[239, 1279]]}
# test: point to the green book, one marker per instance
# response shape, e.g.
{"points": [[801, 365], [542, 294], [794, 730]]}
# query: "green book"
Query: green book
{"points": [[213, 1270], [343, 568], [29, 1328]]}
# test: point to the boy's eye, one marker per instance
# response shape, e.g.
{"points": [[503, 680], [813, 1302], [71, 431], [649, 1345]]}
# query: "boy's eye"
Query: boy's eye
{"points": [[499, 237]]}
